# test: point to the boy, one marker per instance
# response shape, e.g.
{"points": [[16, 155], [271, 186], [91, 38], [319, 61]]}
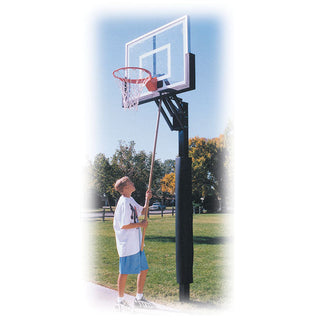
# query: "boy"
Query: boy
{"points": [[128, 238]]}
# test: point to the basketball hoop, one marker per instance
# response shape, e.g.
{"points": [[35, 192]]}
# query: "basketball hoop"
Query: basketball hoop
{"points": [[131, 81]]}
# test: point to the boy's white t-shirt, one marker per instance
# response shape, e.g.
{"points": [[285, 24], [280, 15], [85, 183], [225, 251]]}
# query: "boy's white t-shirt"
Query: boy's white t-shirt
{"points": [[128, 240]]}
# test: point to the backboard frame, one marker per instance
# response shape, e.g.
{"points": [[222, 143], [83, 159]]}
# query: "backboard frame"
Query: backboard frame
{"points": [[188, 64]]}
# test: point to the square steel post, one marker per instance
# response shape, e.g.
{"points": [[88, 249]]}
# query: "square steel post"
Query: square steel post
{"points": [[184, 228], [178, 110]]}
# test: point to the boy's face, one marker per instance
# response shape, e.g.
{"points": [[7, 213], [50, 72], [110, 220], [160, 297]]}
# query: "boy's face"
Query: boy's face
{"points": [[129, 187]]}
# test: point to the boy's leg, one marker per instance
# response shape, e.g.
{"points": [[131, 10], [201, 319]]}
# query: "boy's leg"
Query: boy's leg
{"points": [[122, 279], [141, 281], [140, 301]]}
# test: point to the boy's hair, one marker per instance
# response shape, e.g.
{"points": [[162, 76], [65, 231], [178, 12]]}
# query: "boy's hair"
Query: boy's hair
{"points": [[121, 183]]}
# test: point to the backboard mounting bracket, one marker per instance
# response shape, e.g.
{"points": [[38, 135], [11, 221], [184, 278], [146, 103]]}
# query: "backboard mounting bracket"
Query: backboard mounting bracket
{"points": [[175, 112]]}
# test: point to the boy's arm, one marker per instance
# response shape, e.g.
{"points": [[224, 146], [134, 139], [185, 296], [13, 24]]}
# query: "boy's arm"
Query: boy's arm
{"points": [[142, 224]]}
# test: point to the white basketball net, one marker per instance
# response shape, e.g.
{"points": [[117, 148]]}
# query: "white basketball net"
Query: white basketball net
{"points": [[131, 90]]}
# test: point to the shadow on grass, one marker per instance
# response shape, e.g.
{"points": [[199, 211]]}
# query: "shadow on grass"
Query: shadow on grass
{"points": [[160, 239], [196, 240], [211, 240]]}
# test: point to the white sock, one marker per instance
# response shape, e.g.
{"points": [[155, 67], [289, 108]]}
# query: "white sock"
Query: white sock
{"points": [[120, 299], [139, 296]]}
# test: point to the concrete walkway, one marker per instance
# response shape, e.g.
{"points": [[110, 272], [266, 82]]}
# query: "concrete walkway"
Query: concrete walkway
{"points": [[105, 299]]}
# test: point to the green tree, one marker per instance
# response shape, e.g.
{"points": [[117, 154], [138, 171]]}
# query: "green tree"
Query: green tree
{"points": [[103, 176], [202, 152], [124, 158], [168, 166], [211, 168], [136, 165]]}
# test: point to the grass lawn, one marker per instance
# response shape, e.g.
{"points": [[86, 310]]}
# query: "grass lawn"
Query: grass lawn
{"points": [[211, 267]]}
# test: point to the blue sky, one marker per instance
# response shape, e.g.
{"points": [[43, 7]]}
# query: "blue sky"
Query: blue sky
{"points": [[208, 109]]}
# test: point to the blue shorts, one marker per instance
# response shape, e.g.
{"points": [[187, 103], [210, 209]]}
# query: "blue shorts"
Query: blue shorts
{"points": [[133, 264]]}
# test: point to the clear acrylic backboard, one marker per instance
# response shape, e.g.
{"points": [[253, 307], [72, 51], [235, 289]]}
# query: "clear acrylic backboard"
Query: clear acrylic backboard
{"points": [[166, 54]]}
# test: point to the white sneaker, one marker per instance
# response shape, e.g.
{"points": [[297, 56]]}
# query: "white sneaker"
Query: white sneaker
{"points": [[122, 306], [143, 303]]}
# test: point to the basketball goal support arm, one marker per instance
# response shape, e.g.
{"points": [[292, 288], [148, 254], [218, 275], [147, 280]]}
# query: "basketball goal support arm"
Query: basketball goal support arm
{"points": [[151, 171]]}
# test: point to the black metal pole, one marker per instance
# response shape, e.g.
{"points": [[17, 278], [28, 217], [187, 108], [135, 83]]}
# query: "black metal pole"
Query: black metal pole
{"points": [[184, 229], [184, 292], [183, 191]]}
